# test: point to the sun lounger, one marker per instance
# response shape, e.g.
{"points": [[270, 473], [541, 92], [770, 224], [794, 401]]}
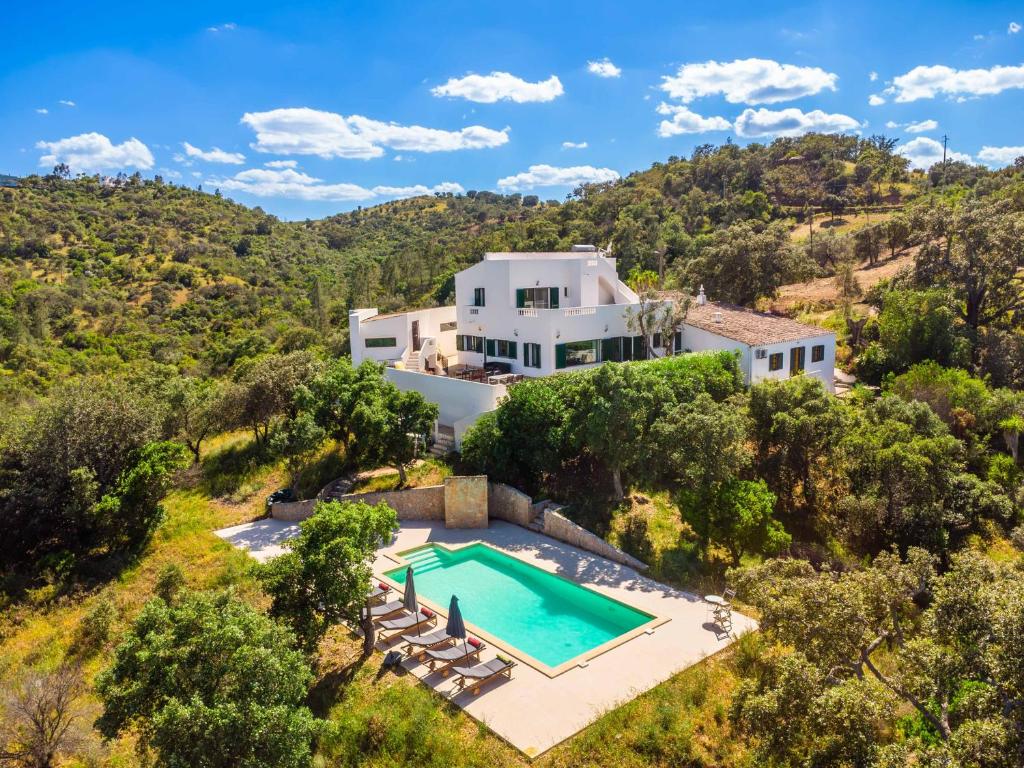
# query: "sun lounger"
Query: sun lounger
{"points": [[379, 593], [382, 611], [443, 659], [475, 677], [417, 645], [411, 621]]}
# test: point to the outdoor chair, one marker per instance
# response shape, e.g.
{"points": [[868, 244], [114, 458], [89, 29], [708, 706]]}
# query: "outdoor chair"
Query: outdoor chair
{"points": [[475, 677], [379, 593], [443, 659], [383, 610], [392, 627], [418, 645]]}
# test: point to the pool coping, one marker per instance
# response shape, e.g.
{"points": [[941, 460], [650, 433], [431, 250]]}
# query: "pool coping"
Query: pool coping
{"points": [[582, 660]]}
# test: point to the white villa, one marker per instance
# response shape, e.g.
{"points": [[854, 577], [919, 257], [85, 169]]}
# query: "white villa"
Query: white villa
{"points": [[536, 314]]}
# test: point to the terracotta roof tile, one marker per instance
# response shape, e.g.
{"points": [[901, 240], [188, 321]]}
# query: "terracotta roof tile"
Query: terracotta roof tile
{"points": [[747, 326]]}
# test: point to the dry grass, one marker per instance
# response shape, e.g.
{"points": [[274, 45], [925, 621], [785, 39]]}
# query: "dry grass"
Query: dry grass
{"points": [[429, 472]]}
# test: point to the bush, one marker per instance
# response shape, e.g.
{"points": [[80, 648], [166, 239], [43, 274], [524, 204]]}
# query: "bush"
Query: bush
{"points": [[169, 582], [95, 629]]}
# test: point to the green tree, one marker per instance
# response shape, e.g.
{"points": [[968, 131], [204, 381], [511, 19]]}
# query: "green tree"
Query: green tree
{"points": [[740, 518], [621, 404], [297, 441], [195, 411], [209, 682], [324, 577], [388, 424]]}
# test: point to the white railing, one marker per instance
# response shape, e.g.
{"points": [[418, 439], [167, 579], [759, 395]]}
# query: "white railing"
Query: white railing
{"points": [[527, 312], [578, 311]]}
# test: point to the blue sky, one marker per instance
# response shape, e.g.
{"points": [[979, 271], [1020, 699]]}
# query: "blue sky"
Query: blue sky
{"points": [[312, 108]]}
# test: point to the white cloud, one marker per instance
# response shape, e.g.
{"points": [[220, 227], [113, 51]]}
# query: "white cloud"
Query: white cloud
{"points": [[1013, 29], [1000, 156], [223, 27], [747, 81], [685, 121], [921, 127], [282, 164], [215, 155], [67, 102], [550, 176], [603, 68], [923, 153], [43, 111], [928, 82], [290, 183], [872, 76], [305, 131], [574, 145], [500, 86], [875, 100], [893, 124], [791, 122], [170, 173], [95, 152]]}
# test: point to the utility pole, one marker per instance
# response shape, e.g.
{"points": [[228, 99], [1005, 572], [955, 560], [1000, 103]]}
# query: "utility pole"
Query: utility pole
{"points": [[945, 139]]}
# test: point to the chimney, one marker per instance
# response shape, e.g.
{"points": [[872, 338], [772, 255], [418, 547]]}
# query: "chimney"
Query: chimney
{"points": [[701, 298], [717, 317]]}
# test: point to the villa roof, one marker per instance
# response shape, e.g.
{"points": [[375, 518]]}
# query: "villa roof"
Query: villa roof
{"points": [[747, 326]]}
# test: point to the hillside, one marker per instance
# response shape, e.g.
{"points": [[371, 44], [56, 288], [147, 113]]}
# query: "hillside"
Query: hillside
{"points": [[97, 275]]}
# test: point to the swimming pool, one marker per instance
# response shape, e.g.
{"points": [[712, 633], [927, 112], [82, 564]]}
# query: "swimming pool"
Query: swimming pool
{"points": [[545, 616]]}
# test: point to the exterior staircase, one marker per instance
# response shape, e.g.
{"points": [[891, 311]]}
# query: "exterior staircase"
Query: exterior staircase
{"points": [[412, 363], [537, 523], [444, 442]]}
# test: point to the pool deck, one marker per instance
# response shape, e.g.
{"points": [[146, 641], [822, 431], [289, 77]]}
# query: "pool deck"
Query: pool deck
{"points": [[533, 711]]}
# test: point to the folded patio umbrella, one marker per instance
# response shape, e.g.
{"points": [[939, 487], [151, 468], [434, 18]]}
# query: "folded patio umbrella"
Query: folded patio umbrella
{"points": [[409, 600], [456, 627]]}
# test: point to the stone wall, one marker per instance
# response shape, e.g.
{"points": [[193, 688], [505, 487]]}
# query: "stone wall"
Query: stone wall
{"points": [[465, 502], [557, 526], [292, 511], [507, 503], [410, 504]]}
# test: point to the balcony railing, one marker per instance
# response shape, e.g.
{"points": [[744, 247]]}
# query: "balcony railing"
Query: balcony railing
{"points": [[527, 312]]}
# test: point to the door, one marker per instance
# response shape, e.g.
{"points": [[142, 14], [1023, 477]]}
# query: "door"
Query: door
{"points": [[415, 335], [796, 360]]}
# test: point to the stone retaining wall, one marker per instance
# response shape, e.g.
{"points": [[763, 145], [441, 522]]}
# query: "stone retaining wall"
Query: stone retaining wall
{"points": [[557, 526], [507, 503], [465, 501], [411, 504]]}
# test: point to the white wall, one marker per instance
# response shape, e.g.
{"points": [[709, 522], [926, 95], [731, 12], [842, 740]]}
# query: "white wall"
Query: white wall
{"points": [[824, 369], [459, 402], [366, 323]]}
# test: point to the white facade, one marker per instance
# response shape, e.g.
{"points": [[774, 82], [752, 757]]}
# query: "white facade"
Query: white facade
{"points": [[541, 313]]}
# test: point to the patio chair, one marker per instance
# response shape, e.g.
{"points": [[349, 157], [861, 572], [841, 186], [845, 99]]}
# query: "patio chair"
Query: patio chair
{"points": [[379, 593], [390, 628], [443, 659], [383, 610], [418, 645], [475, 677]]}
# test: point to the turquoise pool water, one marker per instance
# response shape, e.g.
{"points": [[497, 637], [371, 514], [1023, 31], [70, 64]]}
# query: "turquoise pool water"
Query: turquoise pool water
{"points": [[551, 619]]}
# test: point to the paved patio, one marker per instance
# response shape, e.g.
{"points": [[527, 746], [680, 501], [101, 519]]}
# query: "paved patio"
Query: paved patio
{"points": [[533, 711]]}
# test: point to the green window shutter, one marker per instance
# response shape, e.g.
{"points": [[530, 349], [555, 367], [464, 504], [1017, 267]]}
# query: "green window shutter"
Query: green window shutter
{"points": [[460, 342], [520, 298], [559, 355], [513, 349], [553, 292], [490, 347], [639, 348]]}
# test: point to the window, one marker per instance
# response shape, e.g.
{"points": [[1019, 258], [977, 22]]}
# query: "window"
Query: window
{"points": [[531, 355], [817, 353], [796, 360], [382, 341], [478, 297], [465, 343], [760, 354], [576, 353], [677, 342], [502, 348], [566, 289], [656, 341], [448, 327], [537, 298], [775, 362]]}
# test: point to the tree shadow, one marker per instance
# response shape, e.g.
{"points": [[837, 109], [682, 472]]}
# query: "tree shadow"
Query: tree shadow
{"points": [[328, 689], [226, 471]]}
